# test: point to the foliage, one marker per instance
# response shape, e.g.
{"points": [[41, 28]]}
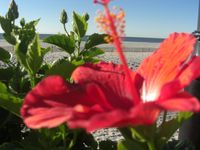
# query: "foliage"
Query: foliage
{"points": [[17, 78], [71, 44], [143, 137]]}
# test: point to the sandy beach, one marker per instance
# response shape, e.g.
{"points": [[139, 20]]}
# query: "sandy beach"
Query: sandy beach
{"points": [[128, 46], [135, 52]]}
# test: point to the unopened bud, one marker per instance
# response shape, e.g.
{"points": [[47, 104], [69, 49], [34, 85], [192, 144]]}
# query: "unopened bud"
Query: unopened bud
{"points": [[12, 13], [63, 17], [86, 16], [22, 22]]}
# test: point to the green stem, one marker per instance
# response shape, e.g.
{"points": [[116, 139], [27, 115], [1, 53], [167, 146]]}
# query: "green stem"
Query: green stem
{"points": [[64, 140], [79, 44], [74, 139], [33, 80], [151, 145], [65, 29]]}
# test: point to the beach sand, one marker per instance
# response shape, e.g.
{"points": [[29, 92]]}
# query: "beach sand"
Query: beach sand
{"points": [[128, 46]]}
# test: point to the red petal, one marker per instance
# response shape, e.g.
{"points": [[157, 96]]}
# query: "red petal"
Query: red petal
{"points": [[181, 102], [165, 64], [145, 113], [111, 80], [142, 114], [45, 105], [47, 117], [190, 72], [101, 120], [53, 101]]}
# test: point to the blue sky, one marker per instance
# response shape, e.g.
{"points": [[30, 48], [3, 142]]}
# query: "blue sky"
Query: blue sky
{"points": [[144, 18]]}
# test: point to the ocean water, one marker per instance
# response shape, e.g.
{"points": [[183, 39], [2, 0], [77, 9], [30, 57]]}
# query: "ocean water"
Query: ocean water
{"points": [[126, 39]]}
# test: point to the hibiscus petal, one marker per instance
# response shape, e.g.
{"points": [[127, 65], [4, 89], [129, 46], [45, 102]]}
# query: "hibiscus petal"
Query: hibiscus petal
{"points": [[145, 113], [47, 117], [165, 64], [49, 88], [101, 120], [142, 114], [111, 80], [44, 106], [53, 101], [190, 72], [181, 102]]}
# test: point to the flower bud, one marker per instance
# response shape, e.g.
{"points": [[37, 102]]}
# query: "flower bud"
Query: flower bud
{"points": [[22, 22], [12, 13], [63, 17], [86, 16]]}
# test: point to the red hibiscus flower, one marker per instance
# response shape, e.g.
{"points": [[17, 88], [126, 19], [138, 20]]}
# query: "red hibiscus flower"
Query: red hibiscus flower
{"points": [[102, 94]]}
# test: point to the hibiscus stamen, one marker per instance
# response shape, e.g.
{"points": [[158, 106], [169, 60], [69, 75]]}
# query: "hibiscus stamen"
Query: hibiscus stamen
{"points": [[113, 25]]}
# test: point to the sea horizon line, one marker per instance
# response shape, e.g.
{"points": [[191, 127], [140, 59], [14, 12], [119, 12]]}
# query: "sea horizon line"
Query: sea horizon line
{"points": [[126, 39]]}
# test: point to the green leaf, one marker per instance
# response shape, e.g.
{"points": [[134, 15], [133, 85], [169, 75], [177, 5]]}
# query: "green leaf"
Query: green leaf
{"points": [[9, 102], [10, 38], [26, 34], [44, 51], [178, 145], [62, 41], [62, 68], [33, 141], [78, 62], [143, 132], [108, 145], [182, 116], [91, 60], [94, 40], [93, 52], [23, 45], [34, 56], [9, 146], [21, 57], [32, 24], [131, 145], [44, 68], [168, 128], [79, 25], [6, 25], [6, 73], [4, 55], [3, 88]]}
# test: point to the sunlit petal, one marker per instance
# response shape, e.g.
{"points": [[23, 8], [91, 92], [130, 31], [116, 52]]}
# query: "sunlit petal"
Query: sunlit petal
{"points": [[165, 64], [180, 102]]}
